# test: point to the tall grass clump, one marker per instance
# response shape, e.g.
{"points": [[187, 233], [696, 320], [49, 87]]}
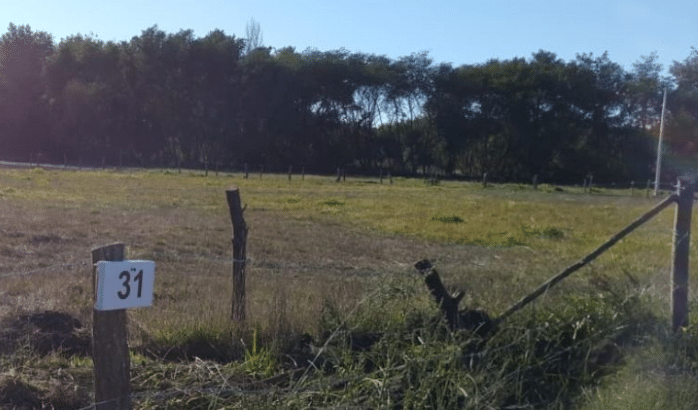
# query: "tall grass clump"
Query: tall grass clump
{"points": [[544, 357]]}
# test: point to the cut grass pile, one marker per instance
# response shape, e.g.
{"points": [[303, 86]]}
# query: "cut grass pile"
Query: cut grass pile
{"points": [[330, 269]]}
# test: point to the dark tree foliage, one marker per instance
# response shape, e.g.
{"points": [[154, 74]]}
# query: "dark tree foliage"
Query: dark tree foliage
{"points": [[164, 99]]}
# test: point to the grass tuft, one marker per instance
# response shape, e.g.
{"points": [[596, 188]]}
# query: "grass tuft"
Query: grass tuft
{"points": [[454, 219]]}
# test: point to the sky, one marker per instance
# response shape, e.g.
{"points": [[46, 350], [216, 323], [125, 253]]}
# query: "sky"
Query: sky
{"points": [[451, 31]]}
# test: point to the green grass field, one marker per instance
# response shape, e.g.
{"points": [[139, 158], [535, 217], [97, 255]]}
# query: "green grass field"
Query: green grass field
{"points": [[327, 260]]}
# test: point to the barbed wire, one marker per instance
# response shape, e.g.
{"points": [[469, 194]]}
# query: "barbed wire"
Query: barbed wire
{"points": [[44, 268]]}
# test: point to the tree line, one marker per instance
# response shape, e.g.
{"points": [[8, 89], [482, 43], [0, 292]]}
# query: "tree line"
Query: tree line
{"points": [[168, 99]]}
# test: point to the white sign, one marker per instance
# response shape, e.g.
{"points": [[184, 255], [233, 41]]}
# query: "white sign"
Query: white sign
{"points": [[124, 284]]}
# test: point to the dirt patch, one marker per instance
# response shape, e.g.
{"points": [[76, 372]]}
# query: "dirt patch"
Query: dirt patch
{"points": [[39, 239], [16, 394], [44, 333]]}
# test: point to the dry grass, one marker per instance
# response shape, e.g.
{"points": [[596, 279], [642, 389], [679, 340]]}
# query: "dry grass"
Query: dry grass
{"points": [[315, 247]]}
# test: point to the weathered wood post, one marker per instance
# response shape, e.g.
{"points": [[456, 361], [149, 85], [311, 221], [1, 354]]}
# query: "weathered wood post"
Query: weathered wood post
{"points": [[447, 303], [648, 188], [239, 254], [680, 249], [484, 180], [380, 176], [246, 172], [303, 173], [535, 182], [290, 172], [632, 188], [110, 355]]}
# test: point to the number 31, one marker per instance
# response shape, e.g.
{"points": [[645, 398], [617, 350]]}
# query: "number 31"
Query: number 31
{"points": [[126, 276]]}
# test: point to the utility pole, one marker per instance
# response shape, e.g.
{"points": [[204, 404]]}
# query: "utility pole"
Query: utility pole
{"points": [[659, 148]]}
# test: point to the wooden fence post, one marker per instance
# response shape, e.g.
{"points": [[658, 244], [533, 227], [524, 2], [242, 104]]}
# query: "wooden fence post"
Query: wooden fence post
{"points": [[110, 354], [290, 172], [239, 254], [246, 171], [484, 180], [535, 182], [680, 249]]}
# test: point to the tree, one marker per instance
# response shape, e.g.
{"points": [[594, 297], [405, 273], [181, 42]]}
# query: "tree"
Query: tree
{"points": [[254, 38], [682, 130], [23, 114], [645, 89]]}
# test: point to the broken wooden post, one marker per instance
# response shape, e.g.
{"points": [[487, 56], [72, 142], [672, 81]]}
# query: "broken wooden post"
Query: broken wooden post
{"points": [[110, 354], [679, 263], [239, 254], [447, 303], [470, 319]]}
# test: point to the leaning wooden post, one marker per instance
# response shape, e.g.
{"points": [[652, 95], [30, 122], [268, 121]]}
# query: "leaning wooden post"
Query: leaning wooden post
{"points": [[239, 254], [110, 355], [587, 259], [679, 263]]}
